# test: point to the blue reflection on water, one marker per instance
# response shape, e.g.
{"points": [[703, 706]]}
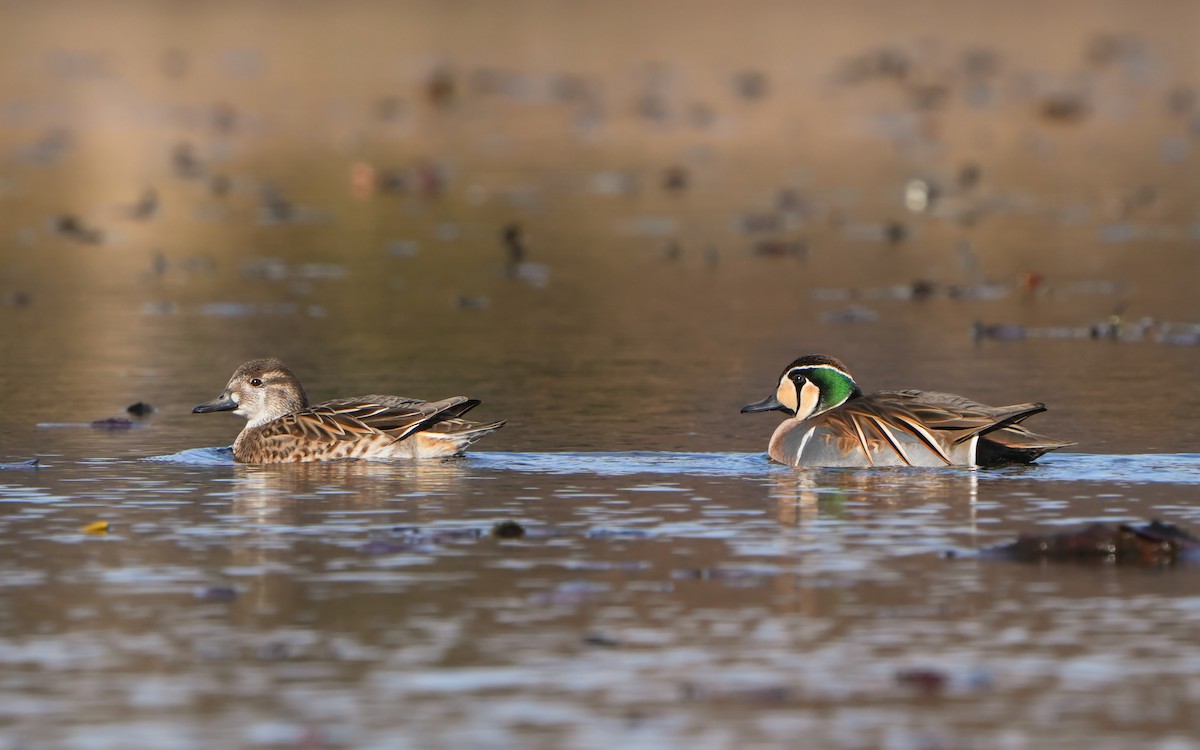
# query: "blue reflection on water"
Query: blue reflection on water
{"points": [[1162, 468]]}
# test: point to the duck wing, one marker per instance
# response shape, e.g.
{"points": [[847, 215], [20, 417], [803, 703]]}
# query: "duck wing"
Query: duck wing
{"points": [[918, 427], [362, 417], [961, 416]]}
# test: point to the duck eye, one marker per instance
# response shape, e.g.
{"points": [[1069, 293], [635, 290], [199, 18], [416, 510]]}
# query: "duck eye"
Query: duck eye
{"points": [[256, 382]]}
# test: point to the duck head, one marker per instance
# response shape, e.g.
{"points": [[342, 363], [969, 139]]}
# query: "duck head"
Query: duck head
{"points": [[809, 386], [261, 390]]}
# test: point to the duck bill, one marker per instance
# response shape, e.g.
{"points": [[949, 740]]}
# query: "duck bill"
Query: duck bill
{"points": [[220, 403], [770, 403]]}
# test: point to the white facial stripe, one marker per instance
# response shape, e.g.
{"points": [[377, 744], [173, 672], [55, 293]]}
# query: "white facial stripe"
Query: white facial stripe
{"points": [[810, 396], [803, 368]]}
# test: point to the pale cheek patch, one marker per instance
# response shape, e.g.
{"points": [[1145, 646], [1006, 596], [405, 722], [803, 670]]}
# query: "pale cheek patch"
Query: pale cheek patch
{"points": [[786, 394], [810, 395]]}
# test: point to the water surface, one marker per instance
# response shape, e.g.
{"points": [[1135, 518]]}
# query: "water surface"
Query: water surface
{"points": [[986, 200]]}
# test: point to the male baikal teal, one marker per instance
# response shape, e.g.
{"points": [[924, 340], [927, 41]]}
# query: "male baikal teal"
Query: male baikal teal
{"points": [[282, 427], [831, 422]]}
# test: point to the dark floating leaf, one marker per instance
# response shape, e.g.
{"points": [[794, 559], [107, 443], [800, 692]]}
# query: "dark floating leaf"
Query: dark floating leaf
{"points": [[508, 530], [1152, 544]]}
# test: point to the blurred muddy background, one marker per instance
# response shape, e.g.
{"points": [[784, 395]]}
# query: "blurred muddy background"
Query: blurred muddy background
{"points": [[614, 223]]}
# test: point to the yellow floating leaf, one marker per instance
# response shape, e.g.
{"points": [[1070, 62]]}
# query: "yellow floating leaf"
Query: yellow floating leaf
{"points": [[98, 527]]}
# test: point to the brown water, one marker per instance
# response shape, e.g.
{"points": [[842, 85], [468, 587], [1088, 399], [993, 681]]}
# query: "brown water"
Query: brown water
{"points": [[699, 203]]}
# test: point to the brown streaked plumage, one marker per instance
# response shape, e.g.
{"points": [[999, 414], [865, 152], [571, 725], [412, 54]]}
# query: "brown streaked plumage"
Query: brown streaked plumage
{"points": [[832, 423], [282, 427]]}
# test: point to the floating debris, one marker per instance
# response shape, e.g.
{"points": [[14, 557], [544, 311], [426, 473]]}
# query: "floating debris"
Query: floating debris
{"points": [[275, 208], [1064, 107], [919, 195], [17, 299], [185, 163], [96, 527], [1154, 544], [215, 593], [928, 682], [140, 409], [510, 237], [47, 150], [750, 85], [146, 206], [113, 423], [508, 530], [675, 180], [599, 640], [887, 232], [30, 464], [998, 331], [72, 227], [771, 695]]}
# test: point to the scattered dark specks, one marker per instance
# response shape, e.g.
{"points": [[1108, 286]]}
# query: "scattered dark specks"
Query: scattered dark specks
{"points": [[508, 530], [215, 593], [141, 409]]}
